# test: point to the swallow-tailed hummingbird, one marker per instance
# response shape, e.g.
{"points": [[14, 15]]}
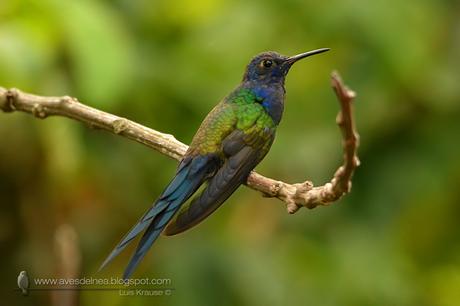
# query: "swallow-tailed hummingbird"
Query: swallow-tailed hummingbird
{"points": [[233, 138]]}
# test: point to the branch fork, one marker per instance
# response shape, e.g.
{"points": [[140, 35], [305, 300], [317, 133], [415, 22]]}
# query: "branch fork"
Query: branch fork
{"points": [[294, 195]]}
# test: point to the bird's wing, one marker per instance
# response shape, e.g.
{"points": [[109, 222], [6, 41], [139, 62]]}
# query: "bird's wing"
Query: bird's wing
{"points": [[243, 151]]}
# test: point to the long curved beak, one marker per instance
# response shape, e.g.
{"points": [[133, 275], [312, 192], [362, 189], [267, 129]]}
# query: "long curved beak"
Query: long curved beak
{"points": [[291, 60]]}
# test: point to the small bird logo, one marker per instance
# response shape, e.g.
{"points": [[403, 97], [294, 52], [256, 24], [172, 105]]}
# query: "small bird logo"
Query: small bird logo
{"points": [[23, 282]]}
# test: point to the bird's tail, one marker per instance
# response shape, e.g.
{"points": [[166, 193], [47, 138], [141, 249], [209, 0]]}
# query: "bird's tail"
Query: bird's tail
{"points": [[154, 229], [190, 175]]}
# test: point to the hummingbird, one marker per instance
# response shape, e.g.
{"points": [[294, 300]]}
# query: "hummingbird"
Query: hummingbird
{"points": [[233, 138]]}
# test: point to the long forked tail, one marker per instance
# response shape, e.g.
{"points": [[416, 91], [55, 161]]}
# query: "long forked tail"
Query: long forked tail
{"points": [[190, 175]]}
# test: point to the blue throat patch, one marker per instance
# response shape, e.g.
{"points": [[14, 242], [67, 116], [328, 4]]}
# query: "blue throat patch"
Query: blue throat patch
{"points": [[271, 101]]}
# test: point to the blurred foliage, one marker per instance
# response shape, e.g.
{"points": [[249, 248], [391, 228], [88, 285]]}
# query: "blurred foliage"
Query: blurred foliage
{"points": [[393, 241]]}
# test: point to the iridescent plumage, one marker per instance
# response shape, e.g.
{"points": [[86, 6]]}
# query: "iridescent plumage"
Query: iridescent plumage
{"points": [[233, 138]]}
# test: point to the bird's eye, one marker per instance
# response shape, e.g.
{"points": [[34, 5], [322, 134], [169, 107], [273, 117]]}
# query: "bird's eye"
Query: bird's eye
{"points": [[267, 63]]}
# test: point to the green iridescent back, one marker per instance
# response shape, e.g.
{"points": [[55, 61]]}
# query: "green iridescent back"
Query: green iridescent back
{"points": [[240, 110]]}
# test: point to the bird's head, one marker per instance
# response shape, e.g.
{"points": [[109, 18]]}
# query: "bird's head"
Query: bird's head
{"points": [[272, 67]]}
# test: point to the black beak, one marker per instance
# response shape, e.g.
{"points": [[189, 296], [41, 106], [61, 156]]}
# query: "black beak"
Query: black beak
{"points": [[291, 60]]}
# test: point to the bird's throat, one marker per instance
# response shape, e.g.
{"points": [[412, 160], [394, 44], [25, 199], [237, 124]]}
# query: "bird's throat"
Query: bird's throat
{"points": [[272, 100]]}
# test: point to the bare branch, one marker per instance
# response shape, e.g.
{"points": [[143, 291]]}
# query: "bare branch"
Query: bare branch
{"points": [[304, 194], [294, 195], [42, 107]]}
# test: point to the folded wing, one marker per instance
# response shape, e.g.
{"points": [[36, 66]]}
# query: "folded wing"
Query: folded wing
{"points": [[243, 152]]}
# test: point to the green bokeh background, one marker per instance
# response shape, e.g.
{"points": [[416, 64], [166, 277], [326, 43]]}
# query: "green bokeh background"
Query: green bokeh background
{"points": [[393, 241]]}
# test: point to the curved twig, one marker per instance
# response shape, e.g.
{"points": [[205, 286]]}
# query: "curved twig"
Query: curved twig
{"points": [[294, 195]]}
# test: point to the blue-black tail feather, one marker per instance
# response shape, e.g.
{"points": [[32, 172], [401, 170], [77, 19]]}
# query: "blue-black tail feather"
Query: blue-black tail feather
{"points": [[192, 172], [150, 235]]}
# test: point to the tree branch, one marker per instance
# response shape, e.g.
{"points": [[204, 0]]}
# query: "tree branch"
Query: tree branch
{"points": [[294, 195]]}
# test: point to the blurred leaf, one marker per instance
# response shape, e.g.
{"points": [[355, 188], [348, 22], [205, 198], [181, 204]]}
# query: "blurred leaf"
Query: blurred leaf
{"points": [[100, 50]]}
